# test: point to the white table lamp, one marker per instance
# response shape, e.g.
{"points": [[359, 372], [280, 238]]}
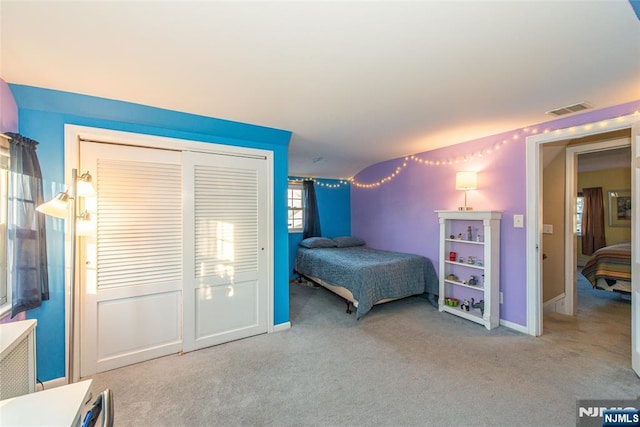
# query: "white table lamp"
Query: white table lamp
{"points": [[466, 181]]}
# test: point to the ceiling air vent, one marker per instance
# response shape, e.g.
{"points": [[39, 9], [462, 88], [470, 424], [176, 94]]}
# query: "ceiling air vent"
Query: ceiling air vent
{"points": [[569, 109]]}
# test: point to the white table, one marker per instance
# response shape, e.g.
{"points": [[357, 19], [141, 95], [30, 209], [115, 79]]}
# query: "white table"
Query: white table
{"points": [[60, 406]]}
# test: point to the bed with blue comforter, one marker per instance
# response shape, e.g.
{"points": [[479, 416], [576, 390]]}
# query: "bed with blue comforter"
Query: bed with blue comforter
{"points": [[371, 275]]}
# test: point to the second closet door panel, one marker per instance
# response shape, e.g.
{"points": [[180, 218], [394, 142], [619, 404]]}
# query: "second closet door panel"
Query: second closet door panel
{"points": [[225, 240]]}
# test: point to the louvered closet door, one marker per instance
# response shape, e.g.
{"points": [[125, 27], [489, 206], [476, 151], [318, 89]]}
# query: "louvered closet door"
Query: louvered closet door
{"points": [[225, 283], [131, 269]]}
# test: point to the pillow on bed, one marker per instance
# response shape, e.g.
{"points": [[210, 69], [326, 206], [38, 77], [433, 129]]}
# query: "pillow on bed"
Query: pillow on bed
{"points": [[348, 241], [317, 242]]}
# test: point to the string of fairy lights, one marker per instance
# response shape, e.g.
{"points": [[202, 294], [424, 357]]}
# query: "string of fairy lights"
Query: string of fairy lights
{"points": [[493, 149], [340, 183]]}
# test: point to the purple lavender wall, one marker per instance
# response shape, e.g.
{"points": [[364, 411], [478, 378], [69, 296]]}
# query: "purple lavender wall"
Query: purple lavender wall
{"points": [[399, 214], [8, 109]]}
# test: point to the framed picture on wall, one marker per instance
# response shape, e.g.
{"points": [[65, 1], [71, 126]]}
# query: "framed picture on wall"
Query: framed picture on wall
{"points": [[620, 208]]}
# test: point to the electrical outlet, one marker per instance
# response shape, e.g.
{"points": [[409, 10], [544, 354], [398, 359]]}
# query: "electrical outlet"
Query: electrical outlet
{"points": [[501, 298]]}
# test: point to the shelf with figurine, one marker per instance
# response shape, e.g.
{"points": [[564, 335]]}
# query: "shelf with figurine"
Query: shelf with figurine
{"points": [[471, 236], [469, 309], [474, 282], [466, 264]]}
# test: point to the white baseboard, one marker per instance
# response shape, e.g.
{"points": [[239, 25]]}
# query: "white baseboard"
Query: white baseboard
{"points": [[281, 326], [514, 326], [554, 305], [51, 384]]}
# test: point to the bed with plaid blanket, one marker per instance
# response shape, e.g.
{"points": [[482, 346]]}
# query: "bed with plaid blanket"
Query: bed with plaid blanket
{"points": [[611, 264], [371, 275]]}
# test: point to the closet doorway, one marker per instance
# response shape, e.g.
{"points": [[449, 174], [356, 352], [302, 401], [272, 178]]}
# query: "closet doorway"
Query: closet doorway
{"points": [[180, 257]]}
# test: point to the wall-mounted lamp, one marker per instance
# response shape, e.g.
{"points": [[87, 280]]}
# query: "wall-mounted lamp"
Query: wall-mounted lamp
{"points": [[466, 181], [58, 207]]}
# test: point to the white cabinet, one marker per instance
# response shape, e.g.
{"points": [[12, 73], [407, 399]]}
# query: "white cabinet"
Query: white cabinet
{"points": [[469, 268]]}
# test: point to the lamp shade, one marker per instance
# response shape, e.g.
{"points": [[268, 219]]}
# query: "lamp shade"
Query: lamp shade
{"points": [[466, 181], [58, 206], [85, 224], [85, 186]]}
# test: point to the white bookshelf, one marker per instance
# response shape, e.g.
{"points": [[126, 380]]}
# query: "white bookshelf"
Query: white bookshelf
{"points": [[477, 257]]}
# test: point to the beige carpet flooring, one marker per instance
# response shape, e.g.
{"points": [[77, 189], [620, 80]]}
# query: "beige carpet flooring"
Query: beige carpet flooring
{"points": [[403, 364], [602, 326]]}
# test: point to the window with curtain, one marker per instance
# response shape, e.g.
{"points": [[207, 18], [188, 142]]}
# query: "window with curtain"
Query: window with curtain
{"points": [[295, 211], [593, 237], [27, 248]]}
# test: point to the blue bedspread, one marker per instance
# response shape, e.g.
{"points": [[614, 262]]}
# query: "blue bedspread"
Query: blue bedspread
{"points": [[370, 274]]}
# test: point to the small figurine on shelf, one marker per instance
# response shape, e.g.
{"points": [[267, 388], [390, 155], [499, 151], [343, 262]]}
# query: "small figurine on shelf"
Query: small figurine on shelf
{"points": [[473, 281], [469, 234], [461, 259], [459, 236], [479, 304], [452, 237], [471, 260], [464, 306]]}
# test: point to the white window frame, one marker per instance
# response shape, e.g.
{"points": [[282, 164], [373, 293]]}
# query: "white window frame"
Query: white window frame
{"points": [[298, 187], [5, 307], [579, 210]]}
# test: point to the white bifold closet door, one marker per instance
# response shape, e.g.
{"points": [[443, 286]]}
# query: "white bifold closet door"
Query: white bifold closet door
{"points": [[225, 240], [179, 260], [131, 269]]}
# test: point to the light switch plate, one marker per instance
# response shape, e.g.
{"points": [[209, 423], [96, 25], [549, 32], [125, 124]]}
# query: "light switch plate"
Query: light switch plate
{"points": [[547, 228], [518, 221]]}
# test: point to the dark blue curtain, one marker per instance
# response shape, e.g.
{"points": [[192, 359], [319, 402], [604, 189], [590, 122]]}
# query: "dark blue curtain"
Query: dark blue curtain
{"points": [[27, 234], [311, 217]]}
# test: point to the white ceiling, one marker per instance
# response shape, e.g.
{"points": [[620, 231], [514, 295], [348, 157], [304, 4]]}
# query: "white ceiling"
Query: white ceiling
{"points": [[356, 82]]}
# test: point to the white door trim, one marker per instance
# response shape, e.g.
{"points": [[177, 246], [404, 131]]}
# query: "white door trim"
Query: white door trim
{"points": [[72, 136], [635, 247], [534, 205]]}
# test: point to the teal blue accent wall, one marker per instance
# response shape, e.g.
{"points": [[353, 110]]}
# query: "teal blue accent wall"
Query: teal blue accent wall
{"points": [[635, 4], [334, 207], [42, 114]]}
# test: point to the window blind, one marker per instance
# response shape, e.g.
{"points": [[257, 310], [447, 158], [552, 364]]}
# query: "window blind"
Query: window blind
{"points": [[226, 221], [139, 222]]}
